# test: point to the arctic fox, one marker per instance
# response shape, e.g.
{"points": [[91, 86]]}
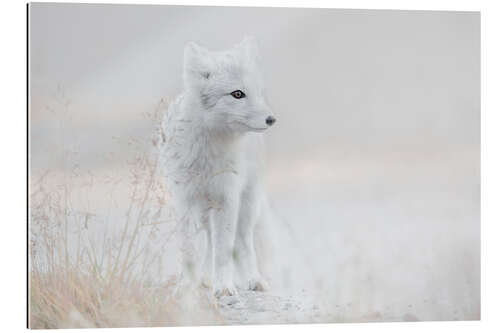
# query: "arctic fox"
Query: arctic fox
{"points": [[213, 156]]}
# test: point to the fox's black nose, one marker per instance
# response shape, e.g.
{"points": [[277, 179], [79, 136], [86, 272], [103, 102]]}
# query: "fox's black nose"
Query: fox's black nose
{"points": [[270, 120]]}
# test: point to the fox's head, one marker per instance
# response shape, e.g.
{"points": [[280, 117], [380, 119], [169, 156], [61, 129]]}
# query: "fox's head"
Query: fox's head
{"points": [[228, 87]]}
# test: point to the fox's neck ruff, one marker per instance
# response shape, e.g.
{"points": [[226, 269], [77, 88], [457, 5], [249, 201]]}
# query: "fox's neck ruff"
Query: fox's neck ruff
{"points": [[202, 147], [214, 135]]}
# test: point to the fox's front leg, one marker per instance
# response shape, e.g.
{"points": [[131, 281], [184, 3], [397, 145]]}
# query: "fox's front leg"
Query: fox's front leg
{"points": [[245, 258], [224, 219], [209, 258], [190, 220]]}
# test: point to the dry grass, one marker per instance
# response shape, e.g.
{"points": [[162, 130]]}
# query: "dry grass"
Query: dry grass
{"points": [[82, 276]]}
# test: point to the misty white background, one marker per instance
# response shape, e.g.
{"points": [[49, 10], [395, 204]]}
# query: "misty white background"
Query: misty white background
{"points": [[374, 160]]}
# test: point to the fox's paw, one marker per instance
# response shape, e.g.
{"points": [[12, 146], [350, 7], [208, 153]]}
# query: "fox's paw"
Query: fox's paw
{"points": [[225, 291], [206, 282], [258, 284]]}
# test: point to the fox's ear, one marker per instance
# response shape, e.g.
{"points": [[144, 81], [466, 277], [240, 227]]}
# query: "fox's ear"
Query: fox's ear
{"points": [[198, 63], [250, 48]]}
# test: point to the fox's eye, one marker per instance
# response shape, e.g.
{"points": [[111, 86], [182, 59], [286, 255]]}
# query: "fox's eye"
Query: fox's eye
{"points": [[238, 94]]}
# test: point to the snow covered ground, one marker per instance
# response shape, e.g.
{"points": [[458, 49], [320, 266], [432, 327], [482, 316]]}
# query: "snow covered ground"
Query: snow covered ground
{"points": [[383, 237]]}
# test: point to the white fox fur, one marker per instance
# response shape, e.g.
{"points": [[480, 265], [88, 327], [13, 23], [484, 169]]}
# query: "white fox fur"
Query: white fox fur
{"points": [[213, 156]]}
